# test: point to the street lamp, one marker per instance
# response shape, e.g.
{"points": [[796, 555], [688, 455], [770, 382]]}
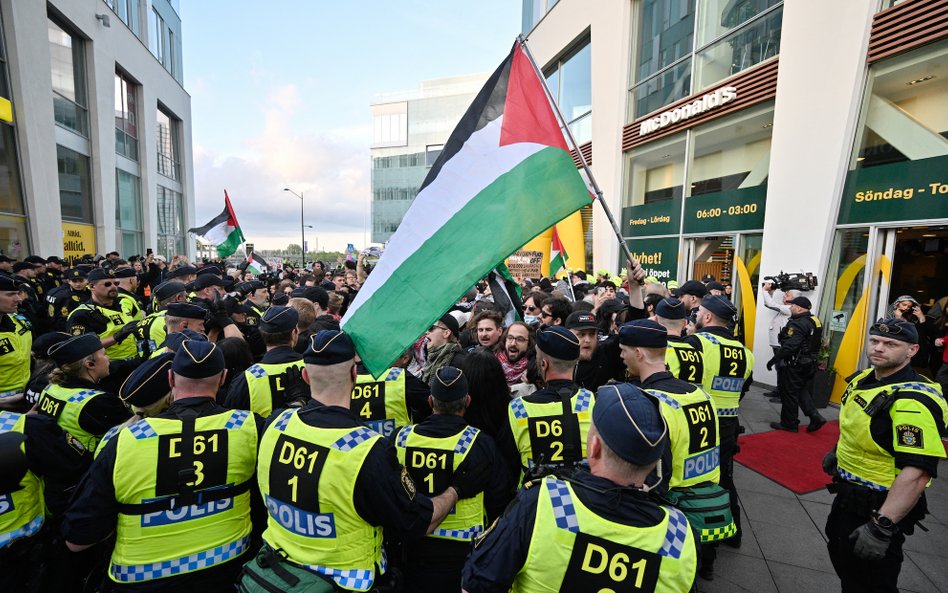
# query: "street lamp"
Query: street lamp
{"points": [[302, 230], [316, 239]]}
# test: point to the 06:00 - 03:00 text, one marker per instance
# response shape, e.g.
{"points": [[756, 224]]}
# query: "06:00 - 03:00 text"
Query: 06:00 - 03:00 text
{"points": [[730, 211]]}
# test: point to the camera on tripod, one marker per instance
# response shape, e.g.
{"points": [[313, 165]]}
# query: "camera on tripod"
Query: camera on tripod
{"points": [[803, 282]]}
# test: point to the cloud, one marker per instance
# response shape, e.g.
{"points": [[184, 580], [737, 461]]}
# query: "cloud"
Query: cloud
{"points": [[330, 168]]}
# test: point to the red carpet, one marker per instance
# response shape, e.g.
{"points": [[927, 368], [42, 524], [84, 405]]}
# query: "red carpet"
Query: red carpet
{"points": [[792, 460]]}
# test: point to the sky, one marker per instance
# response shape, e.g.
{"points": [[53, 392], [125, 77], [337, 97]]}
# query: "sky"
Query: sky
{"points": [[280, 95]]}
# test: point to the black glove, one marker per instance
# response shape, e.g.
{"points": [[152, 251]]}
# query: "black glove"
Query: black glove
{"points": [[829, 462], [471, 479], [296, 389], [871, 541], [127, 330], [771, 363]]}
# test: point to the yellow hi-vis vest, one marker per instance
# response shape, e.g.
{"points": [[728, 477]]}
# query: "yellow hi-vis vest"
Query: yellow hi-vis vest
{"points": [[431, 462], [150, 334], [307, 478], [115, 321], [264, 381], [15, 355], [693, 437], [158, 533], [540, 430], [859, 458], [727, 366], [21, 511], [684, 362], [65, 404], [130, 306], [574, 549], [381, 404]]}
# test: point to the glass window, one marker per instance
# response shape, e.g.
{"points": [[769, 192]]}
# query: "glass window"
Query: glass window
{"points": [[11, 200], [126, 127], [719, 17], [570, 82], [168, 161], [68, 72], [745, 47], [170, 65], [732, 153], [75, 186], [127, 10], [128, 213], [390, 125], [666, 34], [156, 35], [13, 236], [663, 89], [656, 172], [170, 223], [432, 152]]}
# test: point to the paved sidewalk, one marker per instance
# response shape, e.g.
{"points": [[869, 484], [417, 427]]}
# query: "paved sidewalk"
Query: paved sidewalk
{"points": [[784, 548]]}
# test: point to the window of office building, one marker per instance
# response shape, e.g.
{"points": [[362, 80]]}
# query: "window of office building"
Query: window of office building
{"points": [[656, 172], [170, 223], [169, 163], [390, 125], [684, 46], [126, 117], [732, 153], [67, 61], [432, 152], [570, 81], [75, 186], [128, 213], [533, 11], [127, 11], [156, 35]]}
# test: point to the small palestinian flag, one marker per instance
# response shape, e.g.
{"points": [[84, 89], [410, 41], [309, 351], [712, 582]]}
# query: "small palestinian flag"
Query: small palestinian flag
{"points": [[558, 255], [223, 231]]}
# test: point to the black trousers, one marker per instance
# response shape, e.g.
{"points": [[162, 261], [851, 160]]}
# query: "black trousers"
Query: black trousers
{"points": [[855, 574], [729, 426], [435, 565], [796, 392]]}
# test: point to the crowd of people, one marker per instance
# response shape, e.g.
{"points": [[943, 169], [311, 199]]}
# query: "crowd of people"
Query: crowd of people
{"points": [[166, 426]]}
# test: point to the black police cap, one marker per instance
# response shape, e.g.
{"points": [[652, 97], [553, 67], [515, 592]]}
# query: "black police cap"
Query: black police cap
{"points": [[329, 347], [671, 308], [125, 273], [629, 422], [186, 311], [9, 283], [209, 270], [694, 288], [35, 260], [280, 298], [75, 274], [182, 271], [279, 319], [173, 341], [99, 274], [148, 383], [75, 349], [168, 289], [198, 360], [205, 280], [55, 260], [6, 259], [720, 306], [801, 301], [643, 333], [42, 344], [23, 265], [558, 342], [897, 329], [448, 384]]}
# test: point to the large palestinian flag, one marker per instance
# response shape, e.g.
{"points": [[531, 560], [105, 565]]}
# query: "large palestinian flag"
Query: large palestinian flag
{"points": [[504, 176], [222, 231]]}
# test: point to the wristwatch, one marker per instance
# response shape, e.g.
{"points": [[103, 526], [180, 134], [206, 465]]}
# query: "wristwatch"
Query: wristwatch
{"points": [[882, 521]]}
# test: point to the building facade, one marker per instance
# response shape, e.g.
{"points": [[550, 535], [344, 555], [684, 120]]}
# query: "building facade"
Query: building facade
{"points": [[96, 129], [739, 138], [409, 130]]}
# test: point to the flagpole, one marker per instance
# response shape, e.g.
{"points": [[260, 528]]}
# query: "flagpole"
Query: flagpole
{"points": [[572, 141], [569, 282]]}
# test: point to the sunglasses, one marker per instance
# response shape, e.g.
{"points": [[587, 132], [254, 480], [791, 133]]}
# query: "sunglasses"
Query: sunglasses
{"points": [[544, 314], [441, 327], [531, 308], [109, 284]]}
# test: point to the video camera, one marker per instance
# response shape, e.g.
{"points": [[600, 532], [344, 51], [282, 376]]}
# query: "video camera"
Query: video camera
{"points": [[269, 278], [803, 282]]}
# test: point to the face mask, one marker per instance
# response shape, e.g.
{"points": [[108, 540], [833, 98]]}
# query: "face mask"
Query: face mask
{"points": [[531, 319]]}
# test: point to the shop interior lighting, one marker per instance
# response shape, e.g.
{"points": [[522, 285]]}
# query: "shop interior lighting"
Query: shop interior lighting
{"points": [[920, 80]]}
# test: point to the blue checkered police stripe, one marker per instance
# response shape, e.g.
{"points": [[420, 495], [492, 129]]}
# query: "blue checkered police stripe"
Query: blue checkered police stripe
{"points": [[518, 408], [111, 433], [467, 437], [402, 439], [142, 430], [465, 534], [563, 510], [8, 420], [664, 398], [849, 477], [727, 411], [257, 371], [7, 394], [676, 535], [583, 399], [166, 568], [710, 337], [394, 374], [237, 418], [27, 530], [356, 580], [354, 439], [283, 420], [81, 396], [924, 388]]}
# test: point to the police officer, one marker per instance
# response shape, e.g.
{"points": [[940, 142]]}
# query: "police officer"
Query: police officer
{"points": [[53, 276], [684, 360], [693, 452], [891, 424], [25, 275], [74, 398], [150, 332], [174, 488], [15, 343], [277, 380], [432, 452], [64, 299], [38, 467], [127, 287], [346, 467], [383, 404], [549, 426], [207, 290], [598, 530], [727, 377], [800, 342], [256, 295], [42, 365], [102, 314]]}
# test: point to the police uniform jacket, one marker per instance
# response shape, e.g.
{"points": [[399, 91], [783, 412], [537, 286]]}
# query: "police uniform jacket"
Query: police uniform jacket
{"points": [[799, 339], [238, 396], [63, 300], [92, 321], [93, 514], [724, 333], [416, 394], [102, 412], [501, 553]]}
